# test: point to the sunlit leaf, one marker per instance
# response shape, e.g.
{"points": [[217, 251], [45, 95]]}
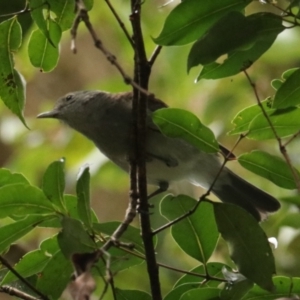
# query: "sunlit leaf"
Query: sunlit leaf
{"points": [[7, 177], [192, 237], [23, 199], [179, 123], [189, 21], [12, 84], [83, 196], [242, 120], [285, 122], [14, 231], [270, 167], [54, 183], [288, 93]]}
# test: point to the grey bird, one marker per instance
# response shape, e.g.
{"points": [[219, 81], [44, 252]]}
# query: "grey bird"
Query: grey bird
{"points": [[106, 119]]}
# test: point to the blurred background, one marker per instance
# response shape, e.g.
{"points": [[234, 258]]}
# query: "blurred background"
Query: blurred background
{"points": [[215, 102]]}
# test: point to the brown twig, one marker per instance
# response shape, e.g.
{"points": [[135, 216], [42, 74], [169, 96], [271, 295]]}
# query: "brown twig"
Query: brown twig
{"points": [[21, 278], [16, 293], [82, 15], [282, 147], [154, 55], [142, 71], [122, 25]]}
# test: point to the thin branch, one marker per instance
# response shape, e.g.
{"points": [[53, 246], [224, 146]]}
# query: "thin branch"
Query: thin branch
{"points": [[82, 15], [142, 71], [16, 293], [291, 139], [154, 55], [21, 278], [282, 148], [122, 25]]}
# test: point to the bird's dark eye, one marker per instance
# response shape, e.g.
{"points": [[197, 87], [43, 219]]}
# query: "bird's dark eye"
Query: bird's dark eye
{"points": [[69, 97]]}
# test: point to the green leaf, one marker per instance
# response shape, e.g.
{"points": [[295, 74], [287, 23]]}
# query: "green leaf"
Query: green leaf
{"points": [[54, 184], [213, 269], [14, 231], [270, 167], [248, 245], [231, 32], [55, 276], [132, 234], [291, 220], [236, 290], [276, 84], [33, 262], [131, 295], [83, 196], [65, 12], [202, 293], [179, 290], [243, 118], [270, 26], [40, 13], [42, 53], [88, 4], [286, 122], [74, 238], [285, 287], [7, 177], [192, 237], [12, 84], [179, 123], [22, 200], [189, 21], [288, 93]]}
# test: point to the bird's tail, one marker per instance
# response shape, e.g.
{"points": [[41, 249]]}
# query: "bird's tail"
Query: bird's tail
{"points": [[233, 189]]}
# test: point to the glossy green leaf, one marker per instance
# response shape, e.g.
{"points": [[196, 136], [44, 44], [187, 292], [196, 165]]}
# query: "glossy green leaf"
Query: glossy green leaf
{"points": [[179, 123], [202, 293], [55, 276], [131, 295], [14, 231], [243, 118], [42, 53], [276, 84], [192, 237], [231, 32], [83, 196], [88, 4], [289, 92], [179, 290], [7, 177], [269, 25], [236, 290], [54, 184], [285, 122], [285, 287], [65, 12], [291, 200], [132, 235], [270, 167], [189, 21], [40, 13], [213, 269], [23, 199], [12, 84], [74, 238], [248, 244], [33, 262]]}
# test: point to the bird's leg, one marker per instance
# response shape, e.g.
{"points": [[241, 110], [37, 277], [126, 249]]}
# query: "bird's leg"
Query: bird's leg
{"points": [[162, 187]]}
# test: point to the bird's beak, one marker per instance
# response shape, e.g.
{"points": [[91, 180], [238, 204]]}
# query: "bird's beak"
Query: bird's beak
{"points": [[48, 114]]}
